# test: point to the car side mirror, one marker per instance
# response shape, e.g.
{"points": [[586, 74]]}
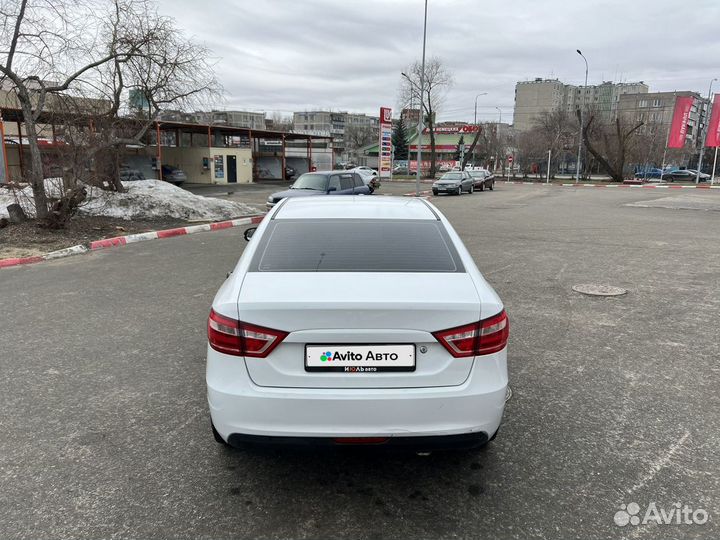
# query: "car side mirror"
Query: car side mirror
{"points": [[248, 234], [331, 189]]}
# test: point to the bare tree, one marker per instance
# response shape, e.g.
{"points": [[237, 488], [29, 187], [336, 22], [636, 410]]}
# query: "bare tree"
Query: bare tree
{"points": [[437, 81], [61, 52], [358, 136], [281, 122], [551, 131], [610, 143]]}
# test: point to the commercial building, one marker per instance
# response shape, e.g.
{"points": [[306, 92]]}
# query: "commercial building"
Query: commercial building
{"points": [[533, 98], [208, 154], [492, 150]]}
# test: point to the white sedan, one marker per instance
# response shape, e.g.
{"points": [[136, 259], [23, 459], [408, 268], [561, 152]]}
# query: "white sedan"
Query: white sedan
{"points": [[366, 173], [356, 320]]}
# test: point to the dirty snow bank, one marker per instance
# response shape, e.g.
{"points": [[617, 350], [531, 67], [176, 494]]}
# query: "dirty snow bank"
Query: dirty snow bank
{"points": [[145, 199]]}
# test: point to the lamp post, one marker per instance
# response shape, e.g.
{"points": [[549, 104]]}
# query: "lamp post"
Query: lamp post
{"points": [[422, 90], [582, 120], [702, 146], [497, 140], [483, 94], [419, 135]]}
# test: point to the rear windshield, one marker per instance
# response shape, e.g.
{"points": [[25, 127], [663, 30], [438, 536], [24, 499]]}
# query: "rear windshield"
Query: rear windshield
{"points": [[329, 245]]}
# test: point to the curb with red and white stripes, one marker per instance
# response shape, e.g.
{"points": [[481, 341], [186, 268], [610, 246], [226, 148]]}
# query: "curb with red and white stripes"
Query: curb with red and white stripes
{"points": [[642, 186], [131, 239], [425, 193]]}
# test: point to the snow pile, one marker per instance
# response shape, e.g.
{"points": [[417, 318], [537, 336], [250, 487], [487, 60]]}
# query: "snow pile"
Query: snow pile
{"points": [[145, 199], [6, 199]]}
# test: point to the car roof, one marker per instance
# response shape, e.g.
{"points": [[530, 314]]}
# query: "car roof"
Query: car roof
{"points": [[354, 207], [336, 171]]}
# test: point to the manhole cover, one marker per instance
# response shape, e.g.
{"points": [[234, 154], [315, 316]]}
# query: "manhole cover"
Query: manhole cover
{"points": [[599, 290]]}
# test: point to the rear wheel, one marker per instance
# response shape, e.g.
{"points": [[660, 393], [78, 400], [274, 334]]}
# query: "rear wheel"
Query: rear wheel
{"points": [[216, 435]]}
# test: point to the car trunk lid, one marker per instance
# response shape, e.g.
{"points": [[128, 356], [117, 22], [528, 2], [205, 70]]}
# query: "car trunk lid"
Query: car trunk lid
{"points": [[345, 309]]}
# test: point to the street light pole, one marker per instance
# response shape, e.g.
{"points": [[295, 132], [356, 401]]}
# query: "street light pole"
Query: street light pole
{"points": [[582, 120], [422, 90], [483, 94], [497, 150], [702, 144]]}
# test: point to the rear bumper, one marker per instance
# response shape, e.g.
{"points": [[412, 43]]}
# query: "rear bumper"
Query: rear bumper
{"points": [[239, 408], [420, 443]]}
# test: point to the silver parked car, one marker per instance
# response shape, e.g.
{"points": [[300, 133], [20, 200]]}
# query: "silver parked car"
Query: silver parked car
{"points": [[454, 183]]}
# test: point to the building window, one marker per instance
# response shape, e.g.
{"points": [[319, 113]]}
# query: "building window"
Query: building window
{"points": [[643, 103], [657, 103]]}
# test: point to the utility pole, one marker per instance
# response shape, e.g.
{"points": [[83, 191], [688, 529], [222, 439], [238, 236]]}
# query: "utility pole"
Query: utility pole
{"points": [[497, 149], [700, 137], [582, 120], [547, 180], [667, 136], [483, 94], [420, 122]]}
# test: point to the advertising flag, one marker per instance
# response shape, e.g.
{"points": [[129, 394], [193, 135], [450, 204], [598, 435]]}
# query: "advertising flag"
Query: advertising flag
{"points": [[713, 136], [678, 128]]}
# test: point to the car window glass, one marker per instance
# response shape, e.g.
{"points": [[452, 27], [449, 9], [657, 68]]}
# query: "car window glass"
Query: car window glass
{"points": [[330, 245], [311, 181], [358, 181], [334, 182], [346, 181]]}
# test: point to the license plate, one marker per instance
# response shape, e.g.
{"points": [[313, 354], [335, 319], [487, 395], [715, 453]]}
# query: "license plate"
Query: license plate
{"points": [[360, 358]]}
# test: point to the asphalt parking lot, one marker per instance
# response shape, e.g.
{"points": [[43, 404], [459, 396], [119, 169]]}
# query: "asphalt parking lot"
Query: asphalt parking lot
{"points": [[105, 427]]}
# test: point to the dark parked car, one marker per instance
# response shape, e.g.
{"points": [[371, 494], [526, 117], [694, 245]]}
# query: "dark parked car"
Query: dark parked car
{"points": [[454, 183], [130, 175], [483, 179], [323, 183], [173, 175], [683, 175], [648, 173]]}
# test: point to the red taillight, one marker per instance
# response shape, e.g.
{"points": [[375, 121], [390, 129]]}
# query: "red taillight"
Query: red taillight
{"points": [[475, 339], [229, 336]]}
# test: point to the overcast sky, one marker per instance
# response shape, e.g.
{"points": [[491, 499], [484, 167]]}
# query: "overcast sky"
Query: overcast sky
{"points": [[290, 55]]}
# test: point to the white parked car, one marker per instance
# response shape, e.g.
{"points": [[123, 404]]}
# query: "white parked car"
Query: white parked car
{"points": [[366, 173], [356, 320]]}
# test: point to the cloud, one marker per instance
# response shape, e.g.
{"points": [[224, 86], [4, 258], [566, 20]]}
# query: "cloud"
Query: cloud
{"points": [[287, 55]]}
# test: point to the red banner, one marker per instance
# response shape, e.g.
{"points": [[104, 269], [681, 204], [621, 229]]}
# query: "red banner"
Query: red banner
{"points": [[713, 136], [678, 129]]}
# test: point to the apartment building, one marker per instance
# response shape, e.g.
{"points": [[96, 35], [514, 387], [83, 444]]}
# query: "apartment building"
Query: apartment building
{"points": [[244, 119], [533, 98], [655, 109], [332, 124]]}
